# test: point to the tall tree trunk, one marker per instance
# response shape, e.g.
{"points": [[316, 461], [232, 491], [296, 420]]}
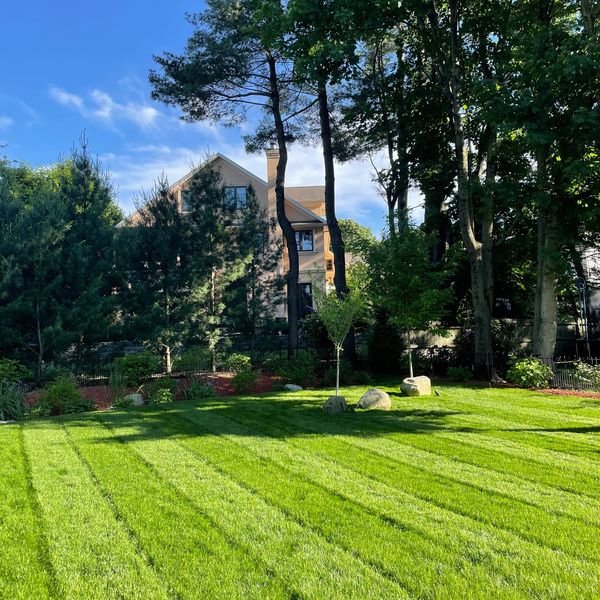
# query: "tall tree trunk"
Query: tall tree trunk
{"points": [[475, 250], [293, 297], [337, 242], [546, 309], [335, 233]]}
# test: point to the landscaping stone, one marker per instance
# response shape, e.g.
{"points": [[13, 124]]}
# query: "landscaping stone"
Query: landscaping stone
{"points": [[416, 386], [334, 405], [291, 387], [135, 399], [375, 398], [7, 422]]}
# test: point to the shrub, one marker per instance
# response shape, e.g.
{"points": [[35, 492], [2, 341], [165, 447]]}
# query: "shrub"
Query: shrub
{"points": [[589, 373], [238, 363], [301, 369], [122, 401], [199, 391], [63, 396], [385, 346], [161, 390], [459, 373], [12, 401], [12, 371], [348, 375], [136, 368], [529, 372], [118, 391], [244, 381], [196, 358], [161, 396]]}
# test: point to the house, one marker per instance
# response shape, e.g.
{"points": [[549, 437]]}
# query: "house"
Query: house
{"points": [[304, 207]]}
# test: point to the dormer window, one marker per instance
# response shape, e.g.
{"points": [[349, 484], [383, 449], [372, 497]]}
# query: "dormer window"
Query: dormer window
{"points": [[236, 197], [304, 240]]}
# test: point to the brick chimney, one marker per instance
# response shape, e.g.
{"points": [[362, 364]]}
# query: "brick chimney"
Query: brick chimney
{"points": [[272, 159]]}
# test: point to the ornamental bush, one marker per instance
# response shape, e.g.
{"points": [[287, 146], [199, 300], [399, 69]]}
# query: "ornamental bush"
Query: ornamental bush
{"points": [[529, 372], [63, 396], [589, 373], [244, 381], [199, 391], [12, 371], [238, 363], [136, 368], [161, 391]]}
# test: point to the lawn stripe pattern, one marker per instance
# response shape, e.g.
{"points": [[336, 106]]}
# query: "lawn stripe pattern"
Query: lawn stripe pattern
{"points": [[477, 493], [295, 554], [90, 552], [24, 568]]}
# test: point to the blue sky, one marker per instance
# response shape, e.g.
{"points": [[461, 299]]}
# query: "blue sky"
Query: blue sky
{"points": [[75, 66]]}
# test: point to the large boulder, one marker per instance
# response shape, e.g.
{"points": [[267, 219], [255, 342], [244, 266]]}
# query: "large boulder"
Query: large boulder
{"points": [[416, 386], [334, 405], [135, 399], [292, 387], [375, 398]]}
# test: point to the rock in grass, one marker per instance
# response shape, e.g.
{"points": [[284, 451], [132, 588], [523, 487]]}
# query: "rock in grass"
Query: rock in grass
{"points": [[416, 386], [291, 387], [375, 398], [334, 405], [9, 422], [135, 399]]}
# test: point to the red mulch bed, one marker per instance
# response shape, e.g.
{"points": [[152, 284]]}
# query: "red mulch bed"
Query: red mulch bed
{"points": [[580, 394], [102, 397]]}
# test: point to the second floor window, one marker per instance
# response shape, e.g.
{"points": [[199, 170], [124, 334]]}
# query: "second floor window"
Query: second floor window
{"points": [[185, 200], [304, 240], [236, 196]]}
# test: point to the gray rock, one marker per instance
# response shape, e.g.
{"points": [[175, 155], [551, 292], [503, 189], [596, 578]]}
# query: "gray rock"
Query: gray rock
{"points": [[135, 399], [9, 422], [334, 405], [416, 386], [375, 398], [291, 387]]}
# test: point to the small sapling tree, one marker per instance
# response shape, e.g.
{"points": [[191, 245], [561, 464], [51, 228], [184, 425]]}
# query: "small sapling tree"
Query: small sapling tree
{"points": [[338, 313]]}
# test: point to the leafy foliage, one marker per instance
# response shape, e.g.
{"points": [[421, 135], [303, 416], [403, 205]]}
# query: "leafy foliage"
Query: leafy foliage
{"points": [[199, 391], [12, 401], [590, 373], [529, 372], [243, 381], [161, 391], [63, 396], [459, 373], [238, 363], [136, 368], [12, 371]]}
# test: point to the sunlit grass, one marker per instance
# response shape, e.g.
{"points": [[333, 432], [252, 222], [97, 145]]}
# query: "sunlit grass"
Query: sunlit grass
{"points": [[477, 493]]}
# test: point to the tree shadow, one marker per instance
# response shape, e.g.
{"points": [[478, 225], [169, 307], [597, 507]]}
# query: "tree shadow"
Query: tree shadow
{"points": [[266, 416], [586, 429]]}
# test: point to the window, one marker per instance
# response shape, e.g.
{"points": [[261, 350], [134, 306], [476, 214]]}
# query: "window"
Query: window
{"points": [[185, 200], [305, 298], [329, 264], [304, 240], [235, 197]]}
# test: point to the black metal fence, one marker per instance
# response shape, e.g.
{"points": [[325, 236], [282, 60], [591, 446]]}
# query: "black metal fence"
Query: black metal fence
{"points": [[566, 372]]}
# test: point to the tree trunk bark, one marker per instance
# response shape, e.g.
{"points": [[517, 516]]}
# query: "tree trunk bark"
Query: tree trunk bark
{"points": [[546, 309], [337, 375], [168, 366], [475, 250], [293, 299], [337, 242]]}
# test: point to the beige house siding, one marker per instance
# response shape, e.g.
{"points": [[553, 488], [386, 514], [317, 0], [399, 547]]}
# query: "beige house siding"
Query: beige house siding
{"points": [[305, 208]]}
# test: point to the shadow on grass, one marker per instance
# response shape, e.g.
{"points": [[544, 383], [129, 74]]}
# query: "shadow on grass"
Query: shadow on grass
{"points": [[265, 416]]}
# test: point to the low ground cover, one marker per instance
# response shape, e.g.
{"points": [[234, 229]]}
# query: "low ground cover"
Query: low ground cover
{"points": [[478, 493]]}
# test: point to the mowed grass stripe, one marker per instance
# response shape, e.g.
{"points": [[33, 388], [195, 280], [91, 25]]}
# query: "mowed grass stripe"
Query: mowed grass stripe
{"points": [[24, 568], [515, 559], [296, 554], [401, 554], [189, 551], [439, 456], [90, 552], [490, 505]]}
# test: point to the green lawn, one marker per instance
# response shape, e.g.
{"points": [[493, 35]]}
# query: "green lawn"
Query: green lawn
{"points": [[476, 493]]}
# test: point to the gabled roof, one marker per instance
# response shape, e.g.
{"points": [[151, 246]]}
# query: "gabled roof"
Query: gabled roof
{"points": [[311, 217]]}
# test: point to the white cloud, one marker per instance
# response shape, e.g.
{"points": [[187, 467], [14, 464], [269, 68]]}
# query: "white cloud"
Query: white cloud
{"points": [[101, 106], [66, 98], [5, 122]]}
